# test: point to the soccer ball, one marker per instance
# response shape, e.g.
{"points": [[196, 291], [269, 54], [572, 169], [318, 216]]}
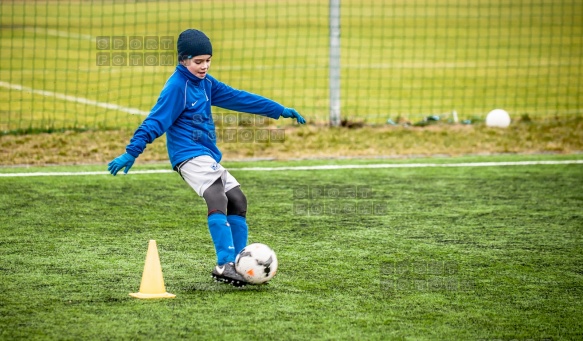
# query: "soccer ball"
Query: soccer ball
{"points": [[498, 118], [257, 263]]}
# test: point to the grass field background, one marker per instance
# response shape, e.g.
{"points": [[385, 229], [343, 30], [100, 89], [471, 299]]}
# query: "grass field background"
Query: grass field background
{"points": [[414, 253], [405, 59]]}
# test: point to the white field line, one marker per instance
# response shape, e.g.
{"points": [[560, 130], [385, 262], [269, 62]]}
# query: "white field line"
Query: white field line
{"points": [[58, 33], [135, 111], [324, 167], [75, 99]]}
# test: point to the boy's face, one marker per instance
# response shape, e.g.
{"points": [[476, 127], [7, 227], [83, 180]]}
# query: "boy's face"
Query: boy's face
{"points": [[198, 65]]}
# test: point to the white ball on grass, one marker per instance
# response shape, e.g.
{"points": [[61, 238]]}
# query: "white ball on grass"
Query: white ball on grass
{"points": [[257, 263], [498, 118]]}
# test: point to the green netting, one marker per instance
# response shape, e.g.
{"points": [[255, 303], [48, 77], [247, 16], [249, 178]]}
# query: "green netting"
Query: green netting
{"points": [[407, 58]]}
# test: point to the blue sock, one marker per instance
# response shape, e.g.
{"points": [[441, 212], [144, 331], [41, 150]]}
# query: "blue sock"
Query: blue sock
{"points": [[239, 231], [222, 238]]}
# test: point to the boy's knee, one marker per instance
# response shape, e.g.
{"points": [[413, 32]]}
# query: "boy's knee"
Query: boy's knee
{"points": [[237, 202], [215, 198]]}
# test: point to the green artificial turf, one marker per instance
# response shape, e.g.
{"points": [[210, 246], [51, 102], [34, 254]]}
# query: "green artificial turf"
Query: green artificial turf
{"points": [[429, 253]]}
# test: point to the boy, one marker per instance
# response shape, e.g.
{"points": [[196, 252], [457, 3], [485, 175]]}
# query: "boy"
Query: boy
{"points": [[183, 112]]}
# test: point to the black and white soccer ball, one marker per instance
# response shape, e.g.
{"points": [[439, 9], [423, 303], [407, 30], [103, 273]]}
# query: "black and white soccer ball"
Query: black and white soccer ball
{"points": [[257, 263]]}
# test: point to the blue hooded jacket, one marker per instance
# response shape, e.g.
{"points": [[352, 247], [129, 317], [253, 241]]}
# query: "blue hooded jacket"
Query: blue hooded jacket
{"points": [[183, 112]]}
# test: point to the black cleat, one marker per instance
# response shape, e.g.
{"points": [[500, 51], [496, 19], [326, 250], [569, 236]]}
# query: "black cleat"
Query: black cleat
{"points": [[227, 274]]}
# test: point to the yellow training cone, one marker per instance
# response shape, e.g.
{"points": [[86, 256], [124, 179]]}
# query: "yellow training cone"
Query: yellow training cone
{"points": [[152, 281]]}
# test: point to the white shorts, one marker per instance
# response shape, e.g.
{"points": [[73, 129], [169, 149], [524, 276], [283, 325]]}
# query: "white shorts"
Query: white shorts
{"points": [[202, 171]]}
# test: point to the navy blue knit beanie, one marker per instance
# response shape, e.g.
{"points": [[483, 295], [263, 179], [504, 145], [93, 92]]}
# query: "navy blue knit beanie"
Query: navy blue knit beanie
{"points": [[193, 43]]}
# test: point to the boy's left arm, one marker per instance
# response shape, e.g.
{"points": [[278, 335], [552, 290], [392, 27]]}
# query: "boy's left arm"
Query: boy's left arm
{"points": [[230, 98]]}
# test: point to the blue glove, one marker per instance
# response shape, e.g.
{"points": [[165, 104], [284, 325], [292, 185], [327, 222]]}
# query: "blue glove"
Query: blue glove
{"points": [[124, 160], [292, 113]]}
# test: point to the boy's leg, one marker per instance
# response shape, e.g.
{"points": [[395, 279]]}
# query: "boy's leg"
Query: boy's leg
{"points": [[199, 173], [220, 231], [236, 216]]}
